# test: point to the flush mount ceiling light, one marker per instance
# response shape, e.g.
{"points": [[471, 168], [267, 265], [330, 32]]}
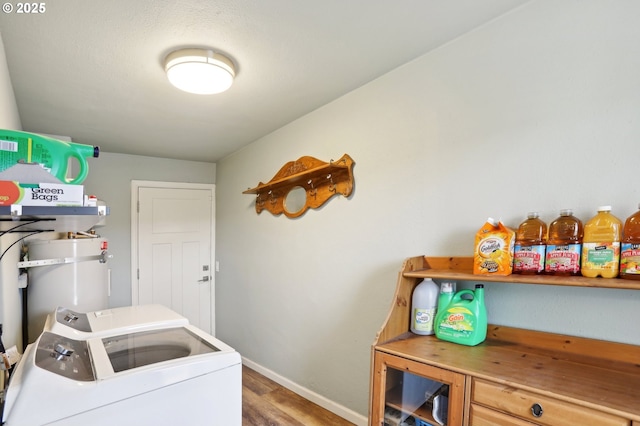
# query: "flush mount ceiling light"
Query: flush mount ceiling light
{"points": [[200, 71]]}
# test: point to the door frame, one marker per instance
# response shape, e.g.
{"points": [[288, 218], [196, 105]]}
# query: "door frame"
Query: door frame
{"points": [[135, 186]]}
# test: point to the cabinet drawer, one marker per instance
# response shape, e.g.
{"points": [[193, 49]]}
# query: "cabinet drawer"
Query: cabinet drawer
{"points": [[483, 416], [520, 403]]}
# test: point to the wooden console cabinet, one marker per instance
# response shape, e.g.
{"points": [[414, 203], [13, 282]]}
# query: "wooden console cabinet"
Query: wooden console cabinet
{"points": [[516, 377]]}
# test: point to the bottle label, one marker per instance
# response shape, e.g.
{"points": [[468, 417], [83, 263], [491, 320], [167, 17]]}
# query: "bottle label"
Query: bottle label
{"points": [[423, 319], [563, 258], [630, 259], [529, 258], [601, 256], [457, 322]]}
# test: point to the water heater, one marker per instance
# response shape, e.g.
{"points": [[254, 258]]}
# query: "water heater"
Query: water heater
{"points": [[71, 273]]}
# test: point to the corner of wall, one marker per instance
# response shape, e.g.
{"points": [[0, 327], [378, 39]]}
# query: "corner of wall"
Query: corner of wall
{"points": [[9, 118]]}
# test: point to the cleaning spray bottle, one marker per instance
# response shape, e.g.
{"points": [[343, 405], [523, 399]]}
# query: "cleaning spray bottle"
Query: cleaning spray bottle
{"points": [[52, 154], [464, 320]]}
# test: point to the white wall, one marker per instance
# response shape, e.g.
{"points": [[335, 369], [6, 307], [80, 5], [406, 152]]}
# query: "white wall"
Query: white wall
{"points": [[536, 111], [110, 177], [9, 118], [10, 302]]}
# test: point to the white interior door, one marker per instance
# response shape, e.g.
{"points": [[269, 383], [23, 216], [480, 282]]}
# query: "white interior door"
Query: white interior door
{"points": [[175, 250]]}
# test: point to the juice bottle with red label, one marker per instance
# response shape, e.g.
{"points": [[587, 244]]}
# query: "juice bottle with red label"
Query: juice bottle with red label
{"points": [[630, 250], [564, 245], [601, 245], [530, 245]]}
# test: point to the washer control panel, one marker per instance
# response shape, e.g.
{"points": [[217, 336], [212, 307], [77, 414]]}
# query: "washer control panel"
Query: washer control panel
{"points": [[66, 357], [76, 320]]}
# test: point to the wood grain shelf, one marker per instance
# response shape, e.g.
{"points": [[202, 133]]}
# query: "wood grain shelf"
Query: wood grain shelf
{"points": [[576, 380], [394, 399], [461, 269]]}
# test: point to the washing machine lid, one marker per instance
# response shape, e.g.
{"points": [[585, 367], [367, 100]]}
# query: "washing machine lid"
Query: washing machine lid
{"points": [[100, 358], [134, 350], [80, 325]]}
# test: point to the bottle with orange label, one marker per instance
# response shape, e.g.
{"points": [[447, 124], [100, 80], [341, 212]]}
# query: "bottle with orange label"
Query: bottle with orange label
{"points": [[529, 251], [630, 250], [601, 245], [564, 245]]}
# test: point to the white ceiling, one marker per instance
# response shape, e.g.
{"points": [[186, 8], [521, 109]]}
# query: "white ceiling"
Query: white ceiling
{"points": [[92, 70]]}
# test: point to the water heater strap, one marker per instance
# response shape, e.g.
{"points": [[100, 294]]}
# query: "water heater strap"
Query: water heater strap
{"points": [[102, 257]]}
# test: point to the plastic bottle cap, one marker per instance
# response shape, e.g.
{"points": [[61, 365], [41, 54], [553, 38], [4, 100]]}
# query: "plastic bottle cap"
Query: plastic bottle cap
{"points": [[446, 287], [604, 208], [566, 212], [532, 215]]}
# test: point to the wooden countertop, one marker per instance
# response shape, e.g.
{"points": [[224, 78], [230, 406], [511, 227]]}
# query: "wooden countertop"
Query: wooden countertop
{"points": [[590, 373]]}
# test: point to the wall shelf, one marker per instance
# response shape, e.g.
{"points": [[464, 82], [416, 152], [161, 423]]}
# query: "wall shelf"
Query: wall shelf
{"points": [[576, 380], [461, 269], [49, 218], [319, 180]]}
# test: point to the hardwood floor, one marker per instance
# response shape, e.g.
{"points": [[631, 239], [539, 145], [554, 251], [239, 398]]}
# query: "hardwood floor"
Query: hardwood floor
{"points": [[265, 402]]}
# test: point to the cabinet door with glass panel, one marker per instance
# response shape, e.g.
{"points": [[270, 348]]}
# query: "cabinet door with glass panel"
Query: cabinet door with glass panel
{"points": [[409, 393]]}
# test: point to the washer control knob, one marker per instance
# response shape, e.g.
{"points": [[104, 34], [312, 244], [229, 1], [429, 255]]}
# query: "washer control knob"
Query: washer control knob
{"points": [[61, 352], [70, 317]]}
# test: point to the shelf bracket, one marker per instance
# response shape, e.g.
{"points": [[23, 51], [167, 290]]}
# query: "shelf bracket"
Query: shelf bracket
{"points": [[16, 211], [102, 258]]}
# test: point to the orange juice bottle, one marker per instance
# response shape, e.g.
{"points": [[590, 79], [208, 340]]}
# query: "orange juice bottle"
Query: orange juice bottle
{"points": [[601, 245], [564, 245], [529, 251], [630, 251]]}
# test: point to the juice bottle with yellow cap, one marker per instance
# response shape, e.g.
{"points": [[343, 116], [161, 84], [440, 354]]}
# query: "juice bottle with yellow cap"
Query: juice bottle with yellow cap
{"points": [[601, 245]]}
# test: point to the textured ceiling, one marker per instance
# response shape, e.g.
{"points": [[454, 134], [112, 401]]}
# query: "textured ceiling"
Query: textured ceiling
{"points": [[92, 70]]}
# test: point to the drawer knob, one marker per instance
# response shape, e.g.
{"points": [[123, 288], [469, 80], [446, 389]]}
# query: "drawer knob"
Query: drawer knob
{"points": [[536, 410]]}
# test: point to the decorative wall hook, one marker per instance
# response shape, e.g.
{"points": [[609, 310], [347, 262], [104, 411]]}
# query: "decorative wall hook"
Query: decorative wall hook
{"points": [[272, 198], [287, 193], [312, 191], [332, 186]]}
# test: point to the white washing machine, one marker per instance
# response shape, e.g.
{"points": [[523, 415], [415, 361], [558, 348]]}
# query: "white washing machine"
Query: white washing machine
{"points": [[178, 375], [127, 319]]}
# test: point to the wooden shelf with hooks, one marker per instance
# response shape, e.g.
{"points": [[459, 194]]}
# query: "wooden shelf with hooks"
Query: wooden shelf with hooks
{"points": [[320, 181]]}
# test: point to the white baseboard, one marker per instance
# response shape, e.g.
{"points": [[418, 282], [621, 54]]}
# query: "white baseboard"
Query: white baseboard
{"points": [[340, 410]]}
